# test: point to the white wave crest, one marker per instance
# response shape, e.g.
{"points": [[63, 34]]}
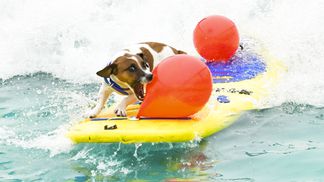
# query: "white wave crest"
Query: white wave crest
{"points": [[73, 39]]}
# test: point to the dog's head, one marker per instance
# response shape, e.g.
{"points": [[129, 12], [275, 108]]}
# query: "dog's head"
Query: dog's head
{"points": [[132, 69]]}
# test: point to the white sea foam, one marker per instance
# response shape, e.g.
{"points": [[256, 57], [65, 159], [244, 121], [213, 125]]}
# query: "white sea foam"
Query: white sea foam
{"points": [[73, 39], [54, 142]]}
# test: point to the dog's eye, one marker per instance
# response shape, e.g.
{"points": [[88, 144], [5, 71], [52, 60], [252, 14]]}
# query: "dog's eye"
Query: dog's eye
{"points": [[146, 65], [132, 69]]}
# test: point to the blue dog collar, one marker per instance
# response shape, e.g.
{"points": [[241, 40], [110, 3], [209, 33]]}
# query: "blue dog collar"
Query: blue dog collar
{"points": [[115, 86]]}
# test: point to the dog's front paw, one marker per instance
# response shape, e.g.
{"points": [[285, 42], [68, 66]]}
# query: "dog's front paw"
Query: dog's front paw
{"points": [[120, 111], [92, 113]]}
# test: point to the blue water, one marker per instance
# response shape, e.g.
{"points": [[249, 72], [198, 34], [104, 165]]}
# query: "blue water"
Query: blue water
{"points": [[51, 50], [283, 143]]}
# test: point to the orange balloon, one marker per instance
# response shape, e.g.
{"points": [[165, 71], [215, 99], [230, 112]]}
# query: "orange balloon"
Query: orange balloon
{"points": [[216, 38], [181, 86]]}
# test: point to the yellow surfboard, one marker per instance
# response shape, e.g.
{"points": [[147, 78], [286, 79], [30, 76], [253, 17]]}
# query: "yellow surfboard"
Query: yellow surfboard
{"points": [[238, 86]]}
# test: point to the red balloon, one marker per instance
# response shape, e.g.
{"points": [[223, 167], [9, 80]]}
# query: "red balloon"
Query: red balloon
{"points": [[181, 86], [216, 38]]}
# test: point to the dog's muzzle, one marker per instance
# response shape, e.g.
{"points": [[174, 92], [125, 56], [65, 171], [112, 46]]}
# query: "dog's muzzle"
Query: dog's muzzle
{"points": [[147, 78]]}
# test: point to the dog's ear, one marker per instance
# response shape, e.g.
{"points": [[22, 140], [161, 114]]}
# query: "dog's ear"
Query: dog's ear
{"points": [[147, 56], [141, 55], [107, 71]]}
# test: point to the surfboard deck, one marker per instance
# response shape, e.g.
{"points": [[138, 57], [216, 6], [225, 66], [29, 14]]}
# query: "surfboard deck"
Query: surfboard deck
{"points": [[238, 86]]}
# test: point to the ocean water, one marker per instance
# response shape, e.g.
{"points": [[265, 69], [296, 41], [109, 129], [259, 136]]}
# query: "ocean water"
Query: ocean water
{"points": [[51, 50]]}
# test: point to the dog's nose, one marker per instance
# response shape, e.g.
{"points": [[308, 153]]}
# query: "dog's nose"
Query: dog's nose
{"points": [[149, 77]]}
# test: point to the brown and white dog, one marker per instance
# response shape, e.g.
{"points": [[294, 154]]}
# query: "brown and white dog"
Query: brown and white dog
{"points": [[128, 72]]}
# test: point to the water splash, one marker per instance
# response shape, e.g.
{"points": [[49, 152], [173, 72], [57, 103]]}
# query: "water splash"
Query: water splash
{"points": [[73, 43], [54, 142]]}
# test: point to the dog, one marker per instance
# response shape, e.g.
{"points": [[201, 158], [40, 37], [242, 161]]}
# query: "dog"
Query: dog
{"points": [[129, 72]]}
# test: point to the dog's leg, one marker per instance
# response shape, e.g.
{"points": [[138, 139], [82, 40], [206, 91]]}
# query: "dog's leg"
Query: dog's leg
{"points": [[103, 95], [121, 108]]}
